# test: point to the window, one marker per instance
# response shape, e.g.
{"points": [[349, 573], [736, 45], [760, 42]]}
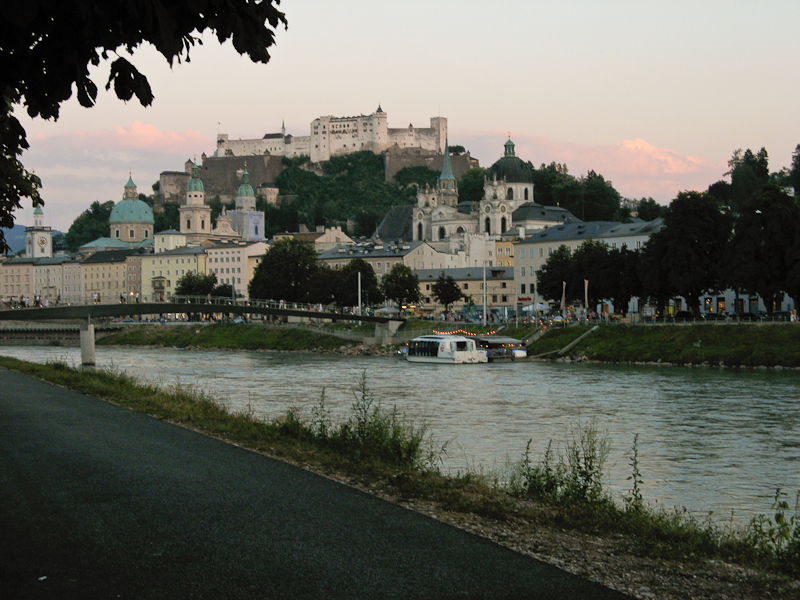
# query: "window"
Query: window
{"points": [[522, 271], [522, 288], [466, 286]]}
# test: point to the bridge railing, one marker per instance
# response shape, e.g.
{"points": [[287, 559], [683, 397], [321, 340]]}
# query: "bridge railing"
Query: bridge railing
{"points": [[13, 303]]}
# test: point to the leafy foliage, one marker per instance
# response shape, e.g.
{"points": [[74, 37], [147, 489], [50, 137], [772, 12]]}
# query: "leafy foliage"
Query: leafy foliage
{"points": [[347, 284], [49, 47], [90, 225], [419, 176], [284, 272], [196, 284], [352, 186], [470, 186], [401, 285], [757, 261], [446, 291]]}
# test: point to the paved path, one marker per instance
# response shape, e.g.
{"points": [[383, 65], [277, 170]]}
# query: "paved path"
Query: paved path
{"points": [[97, 501]]}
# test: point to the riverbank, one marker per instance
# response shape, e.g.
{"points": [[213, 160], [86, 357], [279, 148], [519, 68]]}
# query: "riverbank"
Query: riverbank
{"points": [[725, 346], [647, 556]]}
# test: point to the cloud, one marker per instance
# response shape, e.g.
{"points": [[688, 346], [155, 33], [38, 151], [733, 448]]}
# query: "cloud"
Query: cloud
{"points": [[137, 136], [80, 166], [635, 167]]}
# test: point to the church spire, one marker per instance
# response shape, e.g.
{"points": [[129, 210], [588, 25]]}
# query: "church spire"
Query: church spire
{"points": [[447, 180]]}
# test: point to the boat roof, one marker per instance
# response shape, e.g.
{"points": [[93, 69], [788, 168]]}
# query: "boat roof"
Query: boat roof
{"points": [[499, 339]]}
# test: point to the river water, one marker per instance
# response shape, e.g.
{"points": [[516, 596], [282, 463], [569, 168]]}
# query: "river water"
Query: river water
{"points": [[711, 441]]}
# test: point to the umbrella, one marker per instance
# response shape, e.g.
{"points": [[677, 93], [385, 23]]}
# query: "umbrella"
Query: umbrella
{"points": [[533, 307]]}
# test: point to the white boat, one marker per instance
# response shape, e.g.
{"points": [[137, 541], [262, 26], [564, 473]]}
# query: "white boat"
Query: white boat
{"points": [[452, 349]]}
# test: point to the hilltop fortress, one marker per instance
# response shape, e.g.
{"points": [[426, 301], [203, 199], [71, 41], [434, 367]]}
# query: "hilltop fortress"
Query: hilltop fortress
{"points": [[334, 136], [328, 137]]}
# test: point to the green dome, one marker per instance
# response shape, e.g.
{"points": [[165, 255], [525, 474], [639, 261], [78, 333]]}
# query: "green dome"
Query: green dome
{"points": [[131, 211], [245, 190], [511, 168], [194, 185]]}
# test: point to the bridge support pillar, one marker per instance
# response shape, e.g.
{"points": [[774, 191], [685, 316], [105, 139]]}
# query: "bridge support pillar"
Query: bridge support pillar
{"points": [[387, 329], [87, 343]]}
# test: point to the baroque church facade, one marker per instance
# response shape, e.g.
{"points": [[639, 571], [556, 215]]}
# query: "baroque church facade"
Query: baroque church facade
{"points": [[507, 204]]}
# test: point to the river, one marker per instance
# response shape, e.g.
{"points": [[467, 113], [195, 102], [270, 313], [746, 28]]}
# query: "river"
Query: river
{"points": [[712, 441]]}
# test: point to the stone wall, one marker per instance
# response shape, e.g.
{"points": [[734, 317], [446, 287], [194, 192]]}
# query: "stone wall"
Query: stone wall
{"points": [[399, 158]]}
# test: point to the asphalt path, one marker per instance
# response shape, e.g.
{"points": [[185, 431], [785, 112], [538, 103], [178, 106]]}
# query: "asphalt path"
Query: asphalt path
{"points": [[97, 501]]}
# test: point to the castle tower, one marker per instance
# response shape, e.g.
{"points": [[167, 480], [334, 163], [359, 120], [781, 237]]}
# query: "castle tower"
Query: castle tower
{"points": [[195, 214], [38, 239]]}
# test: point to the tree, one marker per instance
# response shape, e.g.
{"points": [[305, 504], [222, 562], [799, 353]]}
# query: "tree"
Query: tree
{"points": [[470, 186], [196, 284], [749, 173], [284, 271], [347, 284], [401, 285], [419, 176], [589, 261], [692, 245], [456, 150], [446, 291], [621, 277], [89, 225], [551, 277], [49, 46], [547, 179], [757, 261]]}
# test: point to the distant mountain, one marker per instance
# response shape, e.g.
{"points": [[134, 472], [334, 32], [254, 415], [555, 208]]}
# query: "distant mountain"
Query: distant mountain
{"points": [[15, 237]]}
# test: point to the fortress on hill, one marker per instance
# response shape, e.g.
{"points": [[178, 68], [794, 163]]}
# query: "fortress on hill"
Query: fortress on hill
{"points": [[328, 137], [334, 136]]}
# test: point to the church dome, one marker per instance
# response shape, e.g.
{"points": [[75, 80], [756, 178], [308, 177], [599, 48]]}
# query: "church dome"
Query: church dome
{"points": [[245, 190], [131, 211], [194, 184], [511, 168]]}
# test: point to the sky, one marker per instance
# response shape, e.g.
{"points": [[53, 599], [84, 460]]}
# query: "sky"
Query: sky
{"points": [[654, 95]]}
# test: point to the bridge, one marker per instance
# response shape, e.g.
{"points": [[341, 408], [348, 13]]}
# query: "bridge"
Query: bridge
{"points": [[385, 324]]}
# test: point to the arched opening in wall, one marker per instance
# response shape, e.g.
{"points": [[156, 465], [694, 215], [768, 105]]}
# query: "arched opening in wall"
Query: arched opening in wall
{"points": [[488, 225], [116, 233], [509, 194], [188, 224], [202, 224], [419, 232], [460, 230], [503, 225], [442, 233], [526, 193]]}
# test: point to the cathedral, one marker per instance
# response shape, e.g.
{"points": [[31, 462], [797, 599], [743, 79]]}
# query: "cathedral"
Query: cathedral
{"points": [[507, 204]]}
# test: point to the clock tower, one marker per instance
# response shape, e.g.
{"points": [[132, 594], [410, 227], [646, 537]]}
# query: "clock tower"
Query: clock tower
{"points": [[38, 239]]}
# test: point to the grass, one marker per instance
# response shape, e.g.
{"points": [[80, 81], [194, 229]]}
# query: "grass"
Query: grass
{"points": [[221, 335], [717, 345], [379, 447]]}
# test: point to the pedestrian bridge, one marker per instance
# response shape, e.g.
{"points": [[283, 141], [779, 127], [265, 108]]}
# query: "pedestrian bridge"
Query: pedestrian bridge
{"points": [[385, 324]]}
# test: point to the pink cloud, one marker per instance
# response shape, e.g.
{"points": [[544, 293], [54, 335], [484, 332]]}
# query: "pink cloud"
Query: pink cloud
{"points": [[136, 136], [635, 167]]}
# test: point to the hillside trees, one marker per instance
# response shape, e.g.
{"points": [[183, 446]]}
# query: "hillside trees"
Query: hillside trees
{"points": [[89, 225], [49, 46], [419, 176], [470, 186]]}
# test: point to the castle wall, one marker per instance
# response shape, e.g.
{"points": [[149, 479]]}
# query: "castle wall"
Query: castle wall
{"points": [[397, 159], [221, 176], [172, 186]]}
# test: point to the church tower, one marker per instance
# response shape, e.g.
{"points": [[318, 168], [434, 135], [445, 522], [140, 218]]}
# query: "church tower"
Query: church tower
{"points": [[195, 214], [38, 239], [246, 220]]}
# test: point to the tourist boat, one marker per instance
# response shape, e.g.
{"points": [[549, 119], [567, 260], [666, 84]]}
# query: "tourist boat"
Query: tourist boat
{"points": [[499, 347], [452, 349]]}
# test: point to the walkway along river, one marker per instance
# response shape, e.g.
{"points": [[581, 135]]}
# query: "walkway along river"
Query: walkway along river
{"points": [[709, 440]]}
